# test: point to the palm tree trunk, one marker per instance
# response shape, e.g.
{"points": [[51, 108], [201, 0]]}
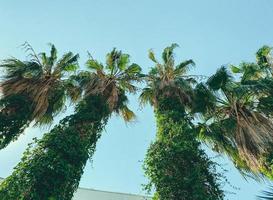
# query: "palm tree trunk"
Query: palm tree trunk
{"points": [[175, 164], [52, 169], [15, 116]]}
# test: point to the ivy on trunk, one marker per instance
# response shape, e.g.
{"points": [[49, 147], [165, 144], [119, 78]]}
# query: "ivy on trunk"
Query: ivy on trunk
{"points": [[53, 167], [175, 164]]}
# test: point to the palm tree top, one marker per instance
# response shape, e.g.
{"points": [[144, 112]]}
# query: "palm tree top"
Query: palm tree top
{"points": [[42, 78], [262, 68], [167, 78], [111, 80], [168, 71], [234, 120]]}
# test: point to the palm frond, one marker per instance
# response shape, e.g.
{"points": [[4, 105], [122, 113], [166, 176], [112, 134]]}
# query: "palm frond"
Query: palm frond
{"points": [[147, 96], [31, 53], [168, 80], [127, 114], [41, 79], [123, 61], [220, 79], [68, 63], [168, 54], [52, 58], [151, 55], [94, 65], [267, 195], [204, 101], [251, 71], [111, 80], [184, 67], [73, 89], [263, 56]]}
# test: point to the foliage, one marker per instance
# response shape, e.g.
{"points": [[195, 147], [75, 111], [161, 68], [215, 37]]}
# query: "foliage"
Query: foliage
{"points": [[15, 116], [53, 167], [43, 83], [111, 80], [42, 78], [175, 164], [237, 114], [168, 79]]}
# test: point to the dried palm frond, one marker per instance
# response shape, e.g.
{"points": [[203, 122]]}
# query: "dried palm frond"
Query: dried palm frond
{"points": [[245, 102], [248, 137], [41, 79], [111, 81], [254, 135]]}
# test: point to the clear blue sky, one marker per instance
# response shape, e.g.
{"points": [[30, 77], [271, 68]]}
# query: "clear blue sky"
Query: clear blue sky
{"points": [[212, 32]]}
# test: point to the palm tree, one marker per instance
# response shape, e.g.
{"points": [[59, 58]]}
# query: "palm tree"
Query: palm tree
{"points": [[53, 167], [238, 120], [259, 76], [33, 90], [175, 164]]}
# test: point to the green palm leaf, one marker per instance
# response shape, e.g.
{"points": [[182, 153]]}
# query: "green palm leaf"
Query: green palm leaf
{"points": [[168, 79]]}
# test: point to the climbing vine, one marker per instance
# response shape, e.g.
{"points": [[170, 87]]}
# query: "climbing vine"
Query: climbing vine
{"points": [[175, 164], [51, 168], [15, 116]]}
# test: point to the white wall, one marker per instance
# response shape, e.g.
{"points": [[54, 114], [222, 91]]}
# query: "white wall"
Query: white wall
{"points": [[90, 194]]}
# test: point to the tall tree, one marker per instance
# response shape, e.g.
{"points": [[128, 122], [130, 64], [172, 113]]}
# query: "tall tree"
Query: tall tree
{"points": [[33, 90], [175, 164], [239, 118], [53, 167]]}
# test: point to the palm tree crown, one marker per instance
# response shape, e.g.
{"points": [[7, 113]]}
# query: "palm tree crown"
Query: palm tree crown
{"points": [[42, 79], [111, 81], [238, 125], [168, 79]]}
